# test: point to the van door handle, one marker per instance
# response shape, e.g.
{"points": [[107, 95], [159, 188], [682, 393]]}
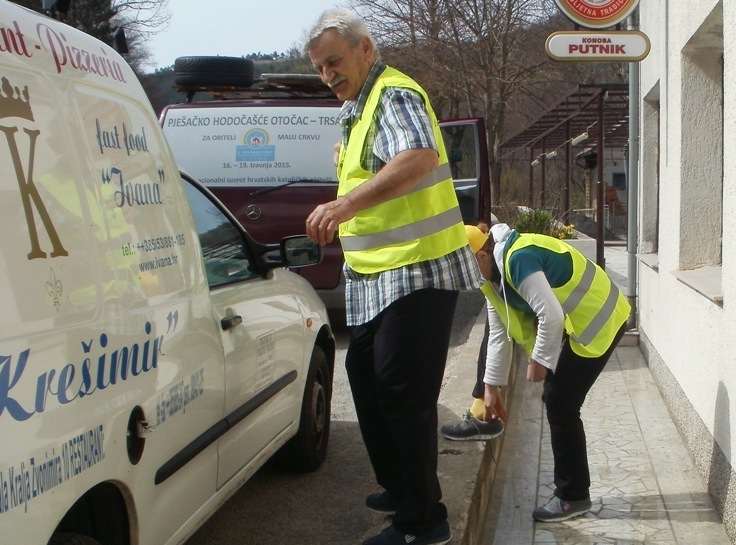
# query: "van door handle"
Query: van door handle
{"points": [[230, 321]]}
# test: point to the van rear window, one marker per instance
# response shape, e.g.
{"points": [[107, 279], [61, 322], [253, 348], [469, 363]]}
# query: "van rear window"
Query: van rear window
{"points": [[254, 146]]}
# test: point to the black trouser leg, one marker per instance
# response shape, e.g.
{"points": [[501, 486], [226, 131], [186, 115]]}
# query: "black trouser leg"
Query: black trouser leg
{"points": [[479, 390], [564, 394], [395, 365]]}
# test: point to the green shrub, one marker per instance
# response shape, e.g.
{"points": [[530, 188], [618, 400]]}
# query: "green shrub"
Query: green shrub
{"points": [[542, 222], [534, 221]]}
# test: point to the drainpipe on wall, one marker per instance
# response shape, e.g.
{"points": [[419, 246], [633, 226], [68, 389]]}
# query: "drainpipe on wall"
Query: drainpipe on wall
{"points": [[632, 239]]}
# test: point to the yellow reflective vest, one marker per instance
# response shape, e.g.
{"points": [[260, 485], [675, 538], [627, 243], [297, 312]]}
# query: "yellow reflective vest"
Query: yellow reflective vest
{"points": [[594, 307], [421, 225]]}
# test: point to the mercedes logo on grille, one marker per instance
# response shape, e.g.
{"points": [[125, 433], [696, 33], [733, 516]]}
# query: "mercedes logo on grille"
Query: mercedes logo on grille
{"points": [[253, 212]]}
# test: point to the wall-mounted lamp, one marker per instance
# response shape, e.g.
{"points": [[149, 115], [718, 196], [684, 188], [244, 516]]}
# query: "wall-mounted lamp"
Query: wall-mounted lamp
{"points": [[552, 154], [535, 162], [579, 138]]}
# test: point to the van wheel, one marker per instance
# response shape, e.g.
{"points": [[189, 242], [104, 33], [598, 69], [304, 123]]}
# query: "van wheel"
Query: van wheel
{"points": [[306, 451], [213, 72], [72, 539]]}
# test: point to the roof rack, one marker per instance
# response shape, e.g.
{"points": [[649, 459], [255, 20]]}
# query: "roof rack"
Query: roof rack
{"points": [[268, 86]]}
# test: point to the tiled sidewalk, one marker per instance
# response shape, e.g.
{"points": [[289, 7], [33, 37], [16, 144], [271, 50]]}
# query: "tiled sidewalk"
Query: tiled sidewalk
{"points": [[645, 489]]}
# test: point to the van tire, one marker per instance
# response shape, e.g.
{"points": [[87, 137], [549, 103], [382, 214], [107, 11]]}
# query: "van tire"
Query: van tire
{"points": [[72, 539], [306, 451], [213, 72]]}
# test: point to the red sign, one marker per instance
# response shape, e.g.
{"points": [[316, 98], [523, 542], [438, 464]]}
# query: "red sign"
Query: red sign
{"points": [[597, 13], [617, 46]]}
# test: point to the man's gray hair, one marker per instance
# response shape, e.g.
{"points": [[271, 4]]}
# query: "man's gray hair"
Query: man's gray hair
{"points": [[348, 24]]}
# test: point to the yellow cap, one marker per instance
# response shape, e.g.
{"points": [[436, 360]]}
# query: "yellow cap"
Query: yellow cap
{"points": [[476, 237]]}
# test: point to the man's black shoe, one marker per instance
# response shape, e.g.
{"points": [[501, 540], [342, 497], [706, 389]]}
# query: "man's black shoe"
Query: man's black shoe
{"points": [[382, 502], [439, 535]]}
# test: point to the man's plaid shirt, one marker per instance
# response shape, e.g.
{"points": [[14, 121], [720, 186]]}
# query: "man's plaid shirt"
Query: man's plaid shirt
{"points": [[401, 123]]}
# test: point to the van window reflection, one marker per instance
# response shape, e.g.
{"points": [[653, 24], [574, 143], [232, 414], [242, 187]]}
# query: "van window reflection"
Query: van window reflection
{"points": [[225, 260]]}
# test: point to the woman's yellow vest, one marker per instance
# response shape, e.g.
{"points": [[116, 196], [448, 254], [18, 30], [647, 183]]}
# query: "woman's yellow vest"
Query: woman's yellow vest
{"points": [[594, 307], [423, 224]]}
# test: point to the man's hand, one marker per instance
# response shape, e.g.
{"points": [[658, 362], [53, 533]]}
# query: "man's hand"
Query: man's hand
{"points": [[535, 372], [336, 153], [324, 220], [494, 406]]}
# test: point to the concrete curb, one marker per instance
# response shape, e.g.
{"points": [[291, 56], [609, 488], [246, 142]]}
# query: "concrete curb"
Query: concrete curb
{"points": [[467, 468]]}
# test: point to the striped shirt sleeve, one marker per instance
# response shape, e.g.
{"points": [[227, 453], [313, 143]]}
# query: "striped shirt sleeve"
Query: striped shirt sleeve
{"points": [[402, 123]]}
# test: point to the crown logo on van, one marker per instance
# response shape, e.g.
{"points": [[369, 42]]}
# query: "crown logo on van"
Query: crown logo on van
{"points": [[14, 102]]}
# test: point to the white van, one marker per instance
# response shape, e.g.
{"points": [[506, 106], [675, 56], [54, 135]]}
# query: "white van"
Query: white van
{"points": [[152, 355]]}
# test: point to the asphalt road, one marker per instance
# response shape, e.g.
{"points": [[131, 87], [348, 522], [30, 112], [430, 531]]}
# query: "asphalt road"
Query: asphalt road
{"points": [[325, 507]]}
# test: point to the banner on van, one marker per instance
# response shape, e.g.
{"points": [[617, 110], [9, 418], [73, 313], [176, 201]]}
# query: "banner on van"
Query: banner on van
{"points": [[254, 147]]}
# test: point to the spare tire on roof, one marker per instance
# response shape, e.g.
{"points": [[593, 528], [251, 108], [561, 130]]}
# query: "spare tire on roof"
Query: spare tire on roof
{"points": [[213, 72]]}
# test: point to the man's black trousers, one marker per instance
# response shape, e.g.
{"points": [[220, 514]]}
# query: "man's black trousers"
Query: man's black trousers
{"points": [[395, 364]]}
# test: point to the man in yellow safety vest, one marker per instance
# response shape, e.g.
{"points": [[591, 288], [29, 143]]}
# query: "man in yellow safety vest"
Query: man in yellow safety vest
{"points": [[406, 258]]}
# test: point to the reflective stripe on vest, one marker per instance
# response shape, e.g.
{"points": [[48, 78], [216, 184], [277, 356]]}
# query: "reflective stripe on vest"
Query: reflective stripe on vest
{"points": [[422, 224], [406, 233], [604, 314], [413, 231]]}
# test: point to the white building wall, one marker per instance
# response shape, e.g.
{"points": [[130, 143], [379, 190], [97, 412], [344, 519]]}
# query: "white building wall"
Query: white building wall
{"points": [[687, 227]]}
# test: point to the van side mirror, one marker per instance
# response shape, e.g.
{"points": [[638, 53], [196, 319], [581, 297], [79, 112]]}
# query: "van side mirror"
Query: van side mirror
{"points": [[293, 251], [300, 251]]}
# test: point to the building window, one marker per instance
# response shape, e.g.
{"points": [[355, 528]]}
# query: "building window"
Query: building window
{"points": [[649, 185], [701, 182], [619, 181], [701, 159]]}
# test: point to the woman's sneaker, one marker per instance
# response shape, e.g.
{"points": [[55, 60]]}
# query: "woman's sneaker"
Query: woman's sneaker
{"points": [[472, 429], [557, 510]]}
